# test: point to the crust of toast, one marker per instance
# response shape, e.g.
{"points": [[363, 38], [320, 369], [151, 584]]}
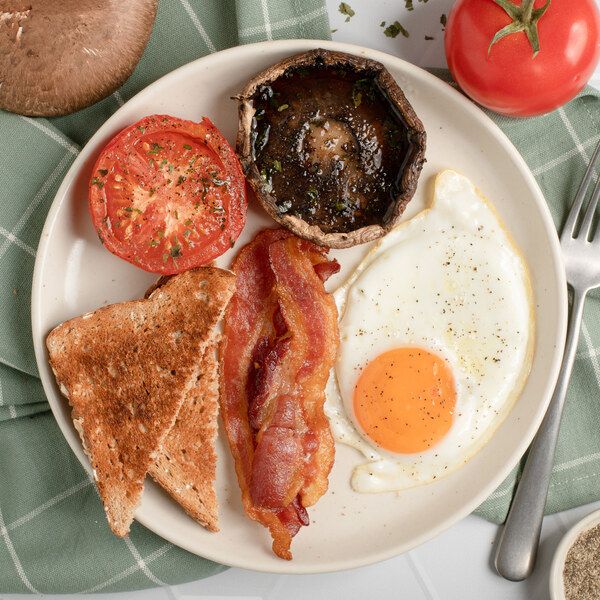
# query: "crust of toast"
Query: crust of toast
{"points": [[187, 462], [126, 370]]}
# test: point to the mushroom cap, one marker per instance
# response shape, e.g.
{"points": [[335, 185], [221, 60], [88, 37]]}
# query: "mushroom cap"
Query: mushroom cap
{"points": [[411, 169], [57, 56]]}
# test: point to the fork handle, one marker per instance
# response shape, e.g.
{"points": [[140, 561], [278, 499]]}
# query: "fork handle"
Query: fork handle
{"points": [[517, 548]]}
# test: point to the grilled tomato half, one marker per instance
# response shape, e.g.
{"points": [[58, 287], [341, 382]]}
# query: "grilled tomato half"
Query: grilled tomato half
{"points": [[167, 194]]}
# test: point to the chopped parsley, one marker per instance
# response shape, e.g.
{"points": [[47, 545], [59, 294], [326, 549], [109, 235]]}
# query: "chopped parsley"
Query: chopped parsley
{"points": [[181, 179], [131, 209], [394, 29], [140, 128], [155, 148], [277, 166], [409, 4], [393, 134], [187, 146], [96, 181], [175, 251], [362, 88], [282, 107], [347, 10], [187, 222], [429, 37], [443, 20], [103, 172]]}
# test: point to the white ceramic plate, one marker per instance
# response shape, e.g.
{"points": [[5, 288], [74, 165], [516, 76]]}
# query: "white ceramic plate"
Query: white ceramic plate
{"points": [[75, 274]]}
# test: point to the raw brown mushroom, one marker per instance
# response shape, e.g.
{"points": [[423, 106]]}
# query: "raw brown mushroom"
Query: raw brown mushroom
{"points": [[331, 146], [57, 56]]}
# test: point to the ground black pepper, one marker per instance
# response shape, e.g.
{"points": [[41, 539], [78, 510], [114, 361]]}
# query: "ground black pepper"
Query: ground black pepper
{"points": [[581, 573]]}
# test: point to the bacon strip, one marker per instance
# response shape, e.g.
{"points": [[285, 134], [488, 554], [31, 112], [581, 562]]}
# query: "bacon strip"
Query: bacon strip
{"points": [[299, 268], [280, 340]]}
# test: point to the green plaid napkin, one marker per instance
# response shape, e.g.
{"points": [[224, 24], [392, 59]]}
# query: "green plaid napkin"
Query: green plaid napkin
{"points": [[54, 536]]}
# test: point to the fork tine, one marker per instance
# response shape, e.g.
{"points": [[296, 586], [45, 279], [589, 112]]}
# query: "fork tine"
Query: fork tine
{"points": [[581, 193], [586, 225]]}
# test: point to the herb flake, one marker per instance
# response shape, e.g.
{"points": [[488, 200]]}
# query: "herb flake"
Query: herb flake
{"points": [[394, 29], [347, 10], [175, 251], [362, 88], [155, 148]]}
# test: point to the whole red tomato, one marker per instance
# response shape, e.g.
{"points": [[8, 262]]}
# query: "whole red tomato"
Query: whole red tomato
{"points": [[492, 51]]}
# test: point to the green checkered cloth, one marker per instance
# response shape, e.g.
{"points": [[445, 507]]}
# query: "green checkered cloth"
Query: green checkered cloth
{"points": [[54, 536]]}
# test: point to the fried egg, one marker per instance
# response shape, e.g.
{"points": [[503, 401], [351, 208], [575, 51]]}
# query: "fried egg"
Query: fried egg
{"points": [[436, 341]]}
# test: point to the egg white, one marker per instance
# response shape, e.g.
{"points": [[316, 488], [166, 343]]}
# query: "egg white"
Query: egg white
{"points": [[451, 281]]}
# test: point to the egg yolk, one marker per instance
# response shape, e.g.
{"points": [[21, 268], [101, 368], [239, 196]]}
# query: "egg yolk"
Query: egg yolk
{"points": [[404, 400]]}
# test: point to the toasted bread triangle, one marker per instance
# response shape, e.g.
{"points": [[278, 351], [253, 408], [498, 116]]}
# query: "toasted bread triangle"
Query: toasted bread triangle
{"points": [[126, 370], [186, 464]]}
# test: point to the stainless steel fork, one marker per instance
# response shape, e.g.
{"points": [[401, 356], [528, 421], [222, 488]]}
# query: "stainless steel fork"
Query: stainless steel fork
{"points": [[580, 243]]}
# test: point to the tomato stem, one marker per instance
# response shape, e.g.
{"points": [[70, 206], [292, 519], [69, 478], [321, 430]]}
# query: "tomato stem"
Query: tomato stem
{"points": [[524, 18], [527, 10]]}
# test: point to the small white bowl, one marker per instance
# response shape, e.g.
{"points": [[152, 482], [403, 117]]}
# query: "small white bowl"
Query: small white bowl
{"points": [[557, 587]]}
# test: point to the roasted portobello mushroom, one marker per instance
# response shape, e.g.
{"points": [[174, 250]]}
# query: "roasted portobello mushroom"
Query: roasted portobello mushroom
{"points": [[331, 146]]}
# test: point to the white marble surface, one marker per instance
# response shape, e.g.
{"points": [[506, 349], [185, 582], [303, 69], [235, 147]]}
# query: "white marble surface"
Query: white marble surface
{"points": [[456, 565]]}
